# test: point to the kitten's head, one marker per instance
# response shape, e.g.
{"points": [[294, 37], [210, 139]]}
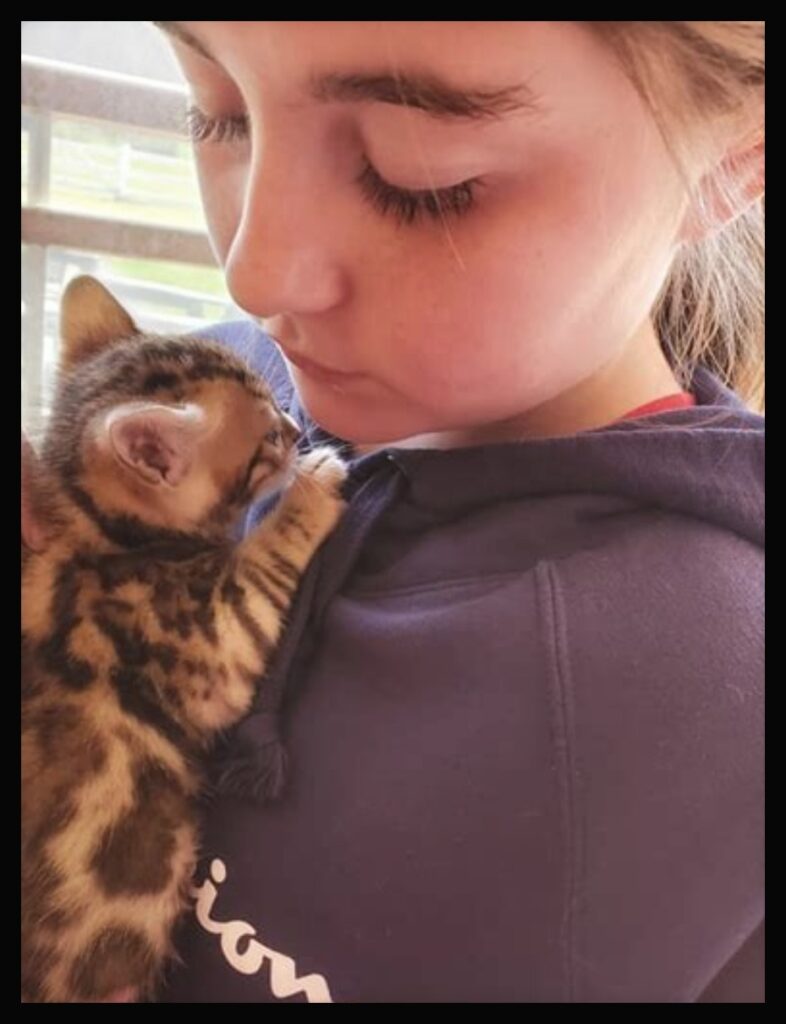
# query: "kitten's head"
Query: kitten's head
{"points": [[155, 431]]}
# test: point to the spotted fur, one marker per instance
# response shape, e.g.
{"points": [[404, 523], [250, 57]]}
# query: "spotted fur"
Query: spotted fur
{"points": [[145, 630]]}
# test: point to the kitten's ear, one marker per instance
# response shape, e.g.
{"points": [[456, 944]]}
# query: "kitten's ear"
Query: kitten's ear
{"points": [[158, 442], [90, 319], [34, 525]]}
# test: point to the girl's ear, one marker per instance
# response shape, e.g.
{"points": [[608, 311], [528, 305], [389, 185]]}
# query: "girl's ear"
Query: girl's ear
{"points": [[158, 442], [34, 526], [90, 319]]}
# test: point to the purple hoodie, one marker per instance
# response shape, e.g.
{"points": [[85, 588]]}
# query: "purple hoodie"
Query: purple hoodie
{"points": [[523, 707]]}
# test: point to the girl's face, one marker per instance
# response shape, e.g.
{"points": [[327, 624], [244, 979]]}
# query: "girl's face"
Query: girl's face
{"points": [[516, 305]]}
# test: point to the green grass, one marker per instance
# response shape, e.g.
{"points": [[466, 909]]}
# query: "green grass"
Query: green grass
{"points": [[209, 280]]}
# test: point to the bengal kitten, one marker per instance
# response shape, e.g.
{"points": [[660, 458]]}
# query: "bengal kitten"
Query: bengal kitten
{"points": [[145, 630]]}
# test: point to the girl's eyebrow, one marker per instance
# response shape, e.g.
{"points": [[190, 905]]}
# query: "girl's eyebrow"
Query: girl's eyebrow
{"points": [[422, 90]]}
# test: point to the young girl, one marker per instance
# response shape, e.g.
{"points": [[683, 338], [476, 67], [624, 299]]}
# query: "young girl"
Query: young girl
{"points": [[513, 270]]}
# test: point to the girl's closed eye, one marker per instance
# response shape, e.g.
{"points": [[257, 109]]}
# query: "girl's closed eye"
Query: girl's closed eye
{"points": [[406, 205]]}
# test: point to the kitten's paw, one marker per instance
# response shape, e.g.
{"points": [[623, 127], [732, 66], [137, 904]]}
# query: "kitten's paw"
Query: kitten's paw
{"points": [[325, 467]]}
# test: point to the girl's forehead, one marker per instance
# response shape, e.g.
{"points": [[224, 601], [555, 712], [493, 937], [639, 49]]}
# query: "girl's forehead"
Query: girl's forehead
{"points": [[466, 80], [497, 54]]}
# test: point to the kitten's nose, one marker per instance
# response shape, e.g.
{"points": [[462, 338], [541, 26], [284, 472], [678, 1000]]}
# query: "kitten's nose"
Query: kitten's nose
{"points": [[290, 428]]}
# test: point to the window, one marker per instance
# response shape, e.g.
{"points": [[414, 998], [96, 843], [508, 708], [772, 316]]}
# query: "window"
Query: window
{"points": [[108, 188]]}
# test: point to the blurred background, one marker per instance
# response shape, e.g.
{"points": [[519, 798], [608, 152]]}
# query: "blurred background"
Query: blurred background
{"points": [[108, 188]]}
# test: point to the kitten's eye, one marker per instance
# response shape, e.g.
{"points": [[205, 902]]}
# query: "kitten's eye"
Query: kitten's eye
{"points": [[273, 437]]}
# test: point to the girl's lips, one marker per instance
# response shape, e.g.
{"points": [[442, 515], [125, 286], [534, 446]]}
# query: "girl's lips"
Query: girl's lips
{"points": [[317, 371]]}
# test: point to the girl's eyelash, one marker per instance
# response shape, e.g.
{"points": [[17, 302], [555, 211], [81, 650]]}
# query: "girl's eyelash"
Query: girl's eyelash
{"points": [[202, 128], [406, 206]]}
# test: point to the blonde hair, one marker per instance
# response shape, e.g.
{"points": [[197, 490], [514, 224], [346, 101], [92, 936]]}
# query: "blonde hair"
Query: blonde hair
{"points": [[703, 81]]}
